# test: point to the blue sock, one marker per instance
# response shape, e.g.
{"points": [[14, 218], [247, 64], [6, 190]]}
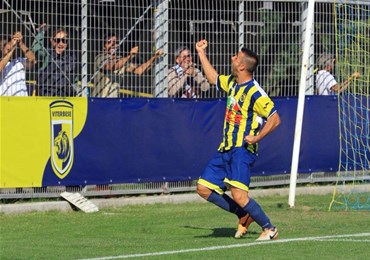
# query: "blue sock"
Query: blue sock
{"points": [[257, 214], [226, 203]]}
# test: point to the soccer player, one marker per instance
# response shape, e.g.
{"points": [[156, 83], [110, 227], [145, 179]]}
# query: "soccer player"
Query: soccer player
{"points": [[247, 106]]}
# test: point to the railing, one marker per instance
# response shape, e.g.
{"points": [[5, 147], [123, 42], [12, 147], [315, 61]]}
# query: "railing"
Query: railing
{"points": [[135, 189]]}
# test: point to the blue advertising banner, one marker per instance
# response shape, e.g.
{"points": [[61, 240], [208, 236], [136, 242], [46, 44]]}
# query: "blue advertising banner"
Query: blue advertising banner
{"points": [[81, 141]]}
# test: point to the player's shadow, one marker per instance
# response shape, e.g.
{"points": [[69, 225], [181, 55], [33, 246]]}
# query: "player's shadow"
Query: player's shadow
{"points": [[217, 232]]}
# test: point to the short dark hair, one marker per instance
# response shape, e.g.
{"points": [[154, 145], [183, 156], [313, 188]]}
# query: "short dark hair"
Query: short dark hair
{"points": [[251, 59], [108, 35], [58, 30]]}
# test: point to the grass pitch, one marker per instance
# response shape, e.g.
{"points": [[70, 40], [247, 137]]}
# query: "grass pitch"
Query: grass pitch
{"points": [[187, 231]]}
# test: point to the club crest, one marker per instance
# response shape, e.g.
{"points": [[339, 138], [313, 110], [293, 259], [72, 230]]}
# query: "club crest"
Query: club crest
{"points": [[61, 137]]}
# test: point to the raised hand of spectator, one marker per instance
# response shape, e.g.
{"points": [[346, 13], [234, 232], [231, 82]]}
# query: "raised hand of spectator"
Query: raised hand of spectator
{"points": [[159, 53], [134, 51], [42, 28], [16, 39], [191, 70], [356, 75]]}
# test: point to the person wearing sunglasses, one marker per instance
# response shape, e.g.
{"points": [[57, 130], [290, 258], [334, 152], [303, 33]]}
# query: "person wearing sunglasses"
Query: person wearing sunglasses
{"points": [[12, 68], [185, 80], [58, 67]]}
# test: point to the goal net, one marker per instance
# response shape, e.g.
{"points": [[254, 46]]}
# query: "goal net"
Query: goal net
{"points": [[353, 55]]}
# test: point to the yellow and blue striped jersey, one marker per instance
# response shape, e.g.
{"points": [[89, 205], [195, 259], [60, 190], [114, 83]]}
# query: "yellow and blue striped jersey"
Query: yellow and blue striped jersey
{"points": [[247, 106]]}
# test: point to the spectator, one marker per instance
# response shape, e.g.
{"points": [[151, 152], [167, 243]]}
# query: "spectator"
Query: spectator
{"points": [[12, 69], [326, 84], [58, 68], [184, 79], [110, 68]]}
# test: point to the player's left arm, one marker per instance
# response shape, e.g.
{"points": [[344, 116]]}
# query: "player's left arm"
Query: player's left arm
{"points": [[272, 122], [265, 108]]}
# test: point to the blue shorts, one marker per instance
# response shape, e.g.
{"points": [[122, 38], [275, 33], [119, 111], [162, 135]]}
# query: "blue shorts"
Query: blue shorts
{"points": [[232, 167]]}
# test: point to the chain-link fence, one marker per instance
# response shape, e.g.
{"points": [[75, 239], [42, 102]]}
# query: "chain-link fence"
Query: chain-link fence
{"points": [[113, 48]]}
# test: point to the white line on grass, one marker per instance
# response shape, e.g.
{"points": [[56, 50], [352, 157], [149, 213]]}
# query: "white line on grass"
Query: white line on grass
{"points": [[287, 240], [344, 240]]}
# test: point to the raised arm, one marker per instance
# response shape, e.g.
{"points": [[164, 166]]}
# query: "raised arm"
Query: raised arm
{"points": [[38, 47], [114, 64], [209, 71], [30, 56], [5, 59], [339, 88], [124, 60], [143, 67]]}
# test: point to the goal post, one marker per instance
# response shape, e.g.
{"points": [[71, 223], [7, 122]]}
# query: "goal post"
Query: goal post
{"points": [[305, 68]]}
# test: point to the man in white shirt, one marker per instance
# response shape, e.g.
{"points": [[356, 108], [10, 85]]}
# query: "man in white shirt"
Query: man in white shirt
{"points": [[12, 70], [326, 84]]}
